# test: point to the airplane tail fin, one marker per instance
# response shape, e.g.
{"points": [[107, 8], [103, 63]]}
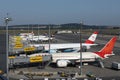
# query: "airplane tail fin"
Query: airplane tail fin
{"points": [[92, 38], [107, 49]]}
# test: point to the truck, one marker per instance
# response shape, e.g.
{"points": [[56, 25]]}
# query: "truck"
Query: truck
{"points": [[116, 65]]}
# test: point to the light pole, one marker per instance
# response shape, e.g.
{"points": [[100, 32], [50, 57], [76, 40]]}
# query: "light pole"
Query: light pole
{"points": [[81, 48], [38, 33], [49, 38], [7, 19]]}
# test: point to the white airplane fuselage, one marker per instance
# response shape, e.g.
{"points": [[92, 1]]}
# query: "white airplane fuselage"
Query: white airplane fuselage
{"points": [[64, 45], [39, 38], [86, 56]]}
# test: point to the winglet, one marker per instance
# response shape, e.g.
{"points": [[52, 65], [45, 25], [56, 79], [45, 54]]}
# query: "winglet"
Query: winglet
{"points": [[92, 38], [107, 49]]}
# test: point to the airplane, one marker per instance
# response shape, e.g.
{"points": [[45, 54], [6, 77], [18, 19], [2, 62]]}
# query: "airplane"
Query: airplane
{"points": [[63, 59], [40, 38], [32, 37], [26, 36], [69, 47]]}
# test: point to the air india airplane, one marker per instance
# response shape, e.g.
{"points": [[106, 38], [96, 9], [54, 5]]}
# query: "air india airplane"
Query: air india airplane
{"points": [[63, 59]]}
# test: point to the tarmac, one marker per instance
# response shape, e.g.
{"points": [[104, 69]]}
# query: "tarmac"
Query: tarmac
{"points": [[95, 71]]}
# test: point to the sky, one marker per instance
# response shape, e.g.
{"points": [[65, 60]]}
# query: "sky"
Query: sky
{"points": [[90, 12]]}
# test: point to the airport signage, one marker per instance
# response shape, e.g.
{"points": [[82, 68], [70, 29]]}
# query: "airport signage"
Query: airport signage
{"points": [[18, 43], [18, 46], [11, 57], [29, 49], [17, 38], [36, 59]]}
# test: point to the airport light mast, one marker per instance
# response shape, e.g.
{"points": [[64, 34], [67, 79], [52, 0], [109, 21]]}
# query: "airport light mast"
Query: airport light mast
{"points": [[38, 32], [49, 38], [81, 23], [7, 19]]}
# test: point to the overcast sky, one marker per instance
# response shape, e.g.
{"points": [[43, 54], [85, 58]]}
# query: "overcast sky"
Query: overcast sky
{"points": [[93, 12]]}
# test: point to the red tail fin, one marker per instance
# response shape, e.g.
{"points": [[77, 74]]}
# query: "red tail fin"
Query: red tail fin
{"points": [[92, 38], [108, 48]]}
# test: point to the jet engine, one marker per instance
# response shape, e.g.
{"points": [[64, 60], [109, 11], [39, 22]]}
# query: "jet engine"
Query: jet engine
{"points": [[62, 63]]}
